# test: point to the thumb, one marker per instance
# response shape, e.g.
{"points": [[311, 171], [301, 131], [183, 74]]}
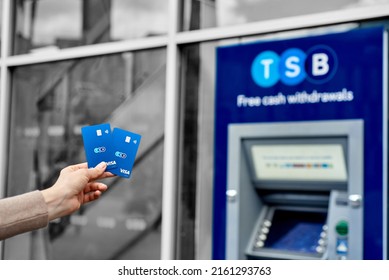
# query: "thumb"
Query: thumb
{"points": [[96, 172]]}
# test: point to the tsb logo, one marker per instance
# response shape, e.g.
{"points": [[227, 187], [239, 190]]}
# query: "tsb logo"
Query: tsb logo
{"points": [[318, 65], [99, 150]]}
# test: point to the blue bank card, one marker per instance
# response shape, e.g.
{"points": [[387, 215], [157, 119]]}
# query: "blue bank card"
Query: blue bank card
{"points": [[98, 145], [125, 144]]}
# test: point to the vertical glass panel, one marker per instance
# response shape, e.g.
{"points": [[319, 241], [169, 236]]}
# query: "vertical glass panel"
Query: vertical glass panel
{"points": [[218, 13], [196, 156], [55, 24], [48, 110]]}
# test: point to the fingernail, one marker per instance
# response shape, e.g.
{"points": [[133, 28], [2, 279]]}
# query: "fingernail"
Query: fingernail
{"points": [[101, 165]]}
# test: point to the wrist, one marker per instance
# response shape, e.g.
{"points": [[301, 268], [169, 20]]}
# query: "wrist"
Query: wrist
{"points": [[53, 203]]}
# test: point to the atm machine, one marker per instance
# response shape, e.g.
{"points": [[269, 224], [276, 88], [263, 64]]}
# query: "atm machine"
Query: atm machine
{"points": [[295, 190]]}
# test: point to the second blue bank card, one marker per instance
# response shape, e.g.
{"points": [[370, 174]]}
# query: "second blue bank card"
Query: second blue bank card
{"points": [[126, 145]]}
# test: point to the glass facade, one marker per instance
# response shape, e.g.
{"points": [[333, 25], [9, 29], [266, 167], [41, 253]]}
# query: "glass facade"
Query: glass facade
{"points": [[212, 13], [197, 135], [125, 81], [56, 102], [53, 24]]}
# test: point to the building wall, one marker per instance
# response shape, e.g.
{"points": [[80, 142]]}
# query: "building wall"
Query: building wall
{"points": [[146, 66]]}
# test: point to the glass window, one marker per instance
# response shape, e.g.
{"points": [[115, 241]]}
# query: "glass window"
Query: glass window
{"points": [[198, 77], [50, 104], [212, 13], [55, 24]]}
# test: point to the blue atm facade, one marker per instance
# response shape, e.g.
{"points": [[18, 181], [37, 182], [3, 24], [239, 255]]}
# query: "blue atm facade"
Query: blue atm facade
{"points": [[300, 148]]}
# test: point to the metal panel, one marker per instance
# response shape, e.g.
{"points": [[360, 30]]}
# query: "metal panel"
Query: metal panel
{"points": [[169, 203], [385, 148], [284, 24]]}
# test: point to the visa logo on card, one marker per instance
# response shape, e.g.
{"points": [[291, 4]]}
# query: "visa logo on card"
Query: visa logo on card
{"points": [[125, 144], [98, 145]]}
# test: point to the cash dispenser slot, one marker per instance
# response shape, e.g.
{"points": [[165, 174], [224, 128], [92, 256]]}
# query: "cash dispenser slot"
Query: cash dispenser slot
{"points": [[297, 199]]}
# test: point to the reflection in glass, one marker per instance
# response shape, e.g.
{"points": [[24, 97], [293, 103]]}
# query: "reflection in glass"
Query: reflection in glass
{"points": [[213, 13], [196, 155], [55, 24], [50, 103]]}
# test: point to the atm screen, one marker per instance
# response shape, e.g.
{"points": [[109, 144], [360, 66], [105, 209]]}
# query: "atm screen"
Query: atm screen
{"points": [[319, 162], [295, 231]]}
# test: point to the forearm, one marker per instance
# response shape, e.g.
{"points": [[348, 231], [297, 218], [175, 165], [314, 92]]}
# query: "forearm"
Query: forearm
{"points": [[22, 213]]}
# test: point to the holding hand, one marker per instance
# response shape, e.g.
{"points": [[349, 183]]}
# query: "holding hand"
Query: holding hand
{"points": [[74, 187]]}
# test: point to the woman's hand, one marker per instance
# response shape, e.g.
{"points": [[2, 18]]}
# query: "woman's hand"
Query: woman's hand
{"points": [[75, 186]]}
